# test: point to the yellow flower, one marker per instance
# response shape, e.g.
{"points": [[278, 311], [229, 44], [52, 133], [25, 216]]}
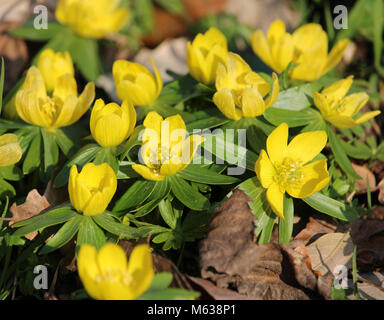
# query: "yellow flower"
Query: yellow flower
{"points": [[91, 190], [307, 47], [53, 65], [166, 150], [285, 168], [92, 18], [10, 151], [107, 275], [62, 109], [339, 109], [135, 83], [205, 53], [240, 91], [111, 124]]}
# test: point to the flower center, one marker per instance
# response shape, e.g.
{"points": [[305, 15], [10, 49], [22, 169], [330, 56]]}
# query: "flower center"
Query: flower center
{"points": [[288, 173], [50, 108]]}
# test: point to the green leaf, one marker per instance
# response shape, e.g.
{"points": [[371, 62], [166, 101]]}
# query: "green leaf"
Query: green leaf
{"points": [[85, 54], [188, 195], [135, 195], [253, 189], [63, 236], [160, 191], [167, 213], [144, 15], [53, 217], [292, 117], [89, 233], [63, 141], [29, 32], [332, 207], [33, 157], [83, 156], [340, 156], [286, 224], [264, 227], [206, 123], [105, 155], [6, 189], [223, 146], [159, 291], [297, 98], [51, 151], [173, 6], [357, 151], [198, 173], [11, 172], [108, 223]]}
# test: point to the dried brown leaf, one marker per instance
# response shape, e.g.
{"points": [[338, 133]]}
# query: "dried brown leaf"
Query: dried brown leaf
{"points": [[367, 177], [34, 204], [231, 259], [329, 251], [313, 227]]}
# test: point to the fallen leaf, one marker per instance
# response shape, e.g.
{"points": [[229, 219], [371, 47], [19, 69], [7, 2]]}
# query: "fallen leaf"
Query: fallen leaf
{"points": [[231, 259], [371, 286], [313, 227], [380, 186], [215, 292], [367, 177], [329, 251], [34, 204], [368, 235]]}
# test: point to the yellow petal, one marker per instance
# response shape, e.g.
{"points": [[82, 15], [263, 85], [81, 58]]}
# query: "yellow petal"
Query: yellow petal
{"points": [[366, 116], [261, 47], [147, 173], [282, 52], [275, 91], [159, 81], [277, 144], [65, 85], [88, 270], [353, 103], [264, 169], [140, 266], [337, 90], [335, 55], [10, 151], [314, 178], [276, 199], [252, 103], [321, 103], [224, 101], [309, 37], [111, 257], [305, 146], [341, 121]]}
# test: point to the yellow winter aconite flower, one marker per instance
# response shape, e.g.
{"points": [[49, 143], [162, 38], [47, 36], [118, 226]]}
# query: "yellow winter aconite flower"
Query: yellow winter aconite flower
{"points": [[240, 91], [136, 83], [205, 53], [111, 124], [53, 65], [166, 148], [91, 190], [10, 151], [285, 168], [107, 275], [307, 47], [339, 109], [92, 18], [60, 109]]}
